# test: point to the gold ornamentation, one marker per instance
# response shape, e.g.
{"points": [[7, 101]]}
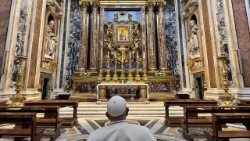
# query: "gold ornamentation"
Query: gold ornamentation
{"points": [[18, 99], [226, 99], [143, 93], [102, 93]]}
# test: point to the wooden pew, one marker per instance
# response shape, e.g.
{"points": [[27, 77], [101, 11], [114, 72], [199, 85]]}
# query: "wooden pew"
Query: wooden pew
{"points": [[47, 121], [244, 102], [30, 129], [66, 121], [201, 121], [177, 120], [222, 118]]}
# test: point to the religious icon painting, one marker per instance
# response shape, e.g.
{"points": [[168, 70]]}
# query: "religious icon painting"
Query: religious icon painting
{"points": [[122, 34]]}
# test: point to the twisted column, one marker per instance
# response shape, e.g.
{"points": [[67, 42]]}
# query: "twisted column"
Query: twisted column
{"points": [[83, 50], [151, 39], [161, 37]]}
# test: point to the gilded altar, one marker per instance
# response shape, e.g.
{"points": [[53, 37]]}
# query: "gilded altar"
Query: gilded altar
{"points": [[123, 54]]}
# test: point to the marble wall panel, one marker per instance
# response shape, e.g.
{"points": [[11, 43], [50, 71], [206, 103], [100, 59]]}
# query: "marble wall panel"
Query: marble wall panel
{"points": [[243, 37], [5, 8], [74, 40], [35, 45], [171, 41], [208, 44]]}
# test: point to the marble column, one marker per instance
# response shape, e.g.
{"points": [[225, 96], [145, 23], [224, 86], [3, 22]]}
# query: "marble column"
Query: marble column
{"points": [[161, 37], [94, 41], [143, 26], [151, 39], [83, 50]]}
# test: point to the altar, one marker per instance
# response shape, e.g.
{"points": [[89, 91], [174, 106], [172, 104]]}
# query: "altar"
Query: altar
{"points": [[121, 58], [130, 91]]}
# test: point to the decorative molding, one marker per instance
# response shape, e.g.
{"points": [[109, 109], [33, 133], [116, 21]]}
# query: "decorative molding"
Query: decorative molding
{"points": [[189, 8]]}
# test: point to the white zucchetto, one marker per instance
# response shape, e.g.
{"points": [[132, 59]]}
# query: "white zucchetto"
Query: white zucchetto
{"points": [[116, 106]]}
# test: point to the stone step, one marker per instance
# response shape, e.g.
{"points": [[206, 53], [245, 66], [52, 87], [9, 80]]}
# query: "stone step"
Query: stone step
{"points": [[137, 110]]}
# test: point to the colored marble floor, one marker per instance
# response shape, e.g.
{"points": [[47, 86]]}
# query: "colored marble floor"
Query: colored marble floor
{"points": [[81, 131]]}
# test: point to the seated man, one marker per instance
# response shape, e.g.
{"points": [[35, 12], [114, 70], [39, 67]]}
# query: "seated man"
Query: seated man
{"points": [[118, 129]]}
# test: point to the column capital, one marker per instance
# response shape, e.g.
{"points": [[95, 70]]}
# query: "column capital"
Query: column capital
{"points": [[95, 3], [150, 3], [161, 3], [84, 3]]}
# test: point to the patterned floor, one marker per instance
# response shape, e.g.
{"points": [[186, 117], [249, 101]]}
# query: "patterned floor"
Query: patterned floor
{"points": [[81, 131], [86, 126]]}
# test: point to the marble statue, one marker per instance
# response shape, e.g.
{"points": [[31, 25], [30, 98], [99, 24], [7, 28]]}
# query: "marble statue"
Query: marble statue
{"points": [[109, 31], [193, 41], [52, 41], [50, 27], [136, 29]]}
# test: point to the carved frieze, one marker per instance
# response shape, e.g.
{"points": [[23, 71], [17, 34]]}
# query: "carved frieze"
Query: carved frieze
{"points": [[189, 7]]}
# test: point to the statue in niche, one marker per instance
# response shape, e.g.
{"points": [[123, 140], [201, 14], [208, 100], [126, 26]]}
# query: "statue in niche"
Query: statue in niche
{"points": [[50, 27], [193, 43], [190, 51], [136, 30], [52, 41], [109, 31]]}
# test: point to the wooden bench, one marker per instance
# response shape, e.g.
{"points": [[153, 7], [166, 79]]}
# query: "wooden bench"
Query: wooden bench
{"points": [[177, 120], [244, 102], [66, 121], [222, 118], [193, 119], [50, 118], [30, 129]]}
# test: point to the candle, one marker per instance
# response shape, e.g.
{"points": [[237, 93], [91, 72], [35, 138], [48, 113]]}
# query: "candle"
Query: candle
{"points": [[137, 54], [108, 55], [144, 55]]}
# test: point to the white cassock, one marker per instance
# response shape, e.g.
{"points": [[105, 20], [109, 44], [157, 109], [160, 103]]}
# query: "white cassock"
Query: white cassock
{"points": [[122, 131]]}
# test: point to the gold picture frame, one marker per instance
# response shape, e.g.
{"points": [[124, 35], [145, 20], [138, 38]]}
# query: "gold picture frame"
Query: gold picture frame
{"points": [[122, 34]]}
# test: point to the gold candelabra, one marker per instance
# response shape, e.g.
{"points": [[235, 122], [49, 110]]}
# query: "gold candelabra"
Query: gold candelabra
{"points": [[18, 99], [137, 75], [145, 76], [100, 76], [226, 99], [130, 76], [115, 76], [108, 77]]}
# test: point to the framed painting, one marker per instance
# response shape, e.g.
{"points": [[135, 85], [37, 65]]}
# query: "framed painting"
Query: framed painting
{"points": [[122, 34]]}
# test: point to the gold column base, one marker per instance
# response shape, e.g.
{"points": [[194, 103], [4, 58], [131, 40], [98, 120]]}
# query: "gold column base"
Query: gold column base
{"points": [[143, 93], [226, 100], [17, 100], [102, 93]]}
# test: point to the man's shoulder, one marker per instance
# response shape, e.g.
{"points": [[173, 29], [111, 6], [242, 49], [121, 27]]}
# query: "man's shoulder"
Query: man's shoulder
{"points": [[137, 127]]}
